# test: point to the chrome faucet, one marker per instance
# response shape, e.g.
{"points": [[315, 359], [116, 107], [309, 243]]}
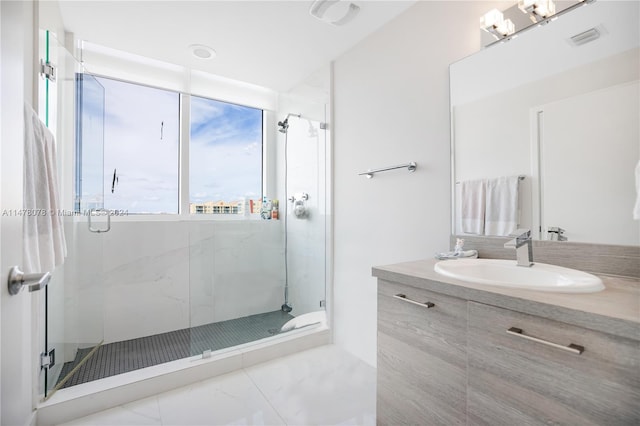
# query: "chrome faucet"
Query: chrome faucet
{"points": [[523, 245]]}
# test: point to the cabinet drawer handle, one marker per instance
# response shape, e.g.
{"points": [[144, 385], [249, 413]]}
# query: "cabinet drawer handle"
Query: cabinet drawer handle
{"points": [[406, 299], [573, 348]]}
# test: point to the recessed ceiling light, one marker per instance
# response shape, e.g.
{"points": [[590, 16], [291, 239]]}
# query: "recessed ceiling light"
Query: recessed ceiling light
{"points": [[201, 51]]}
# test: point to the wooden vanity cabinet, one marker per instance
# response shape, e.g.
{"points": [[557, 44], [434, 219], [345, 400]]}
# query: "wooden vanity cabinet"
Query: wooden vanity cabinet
{"points": [[528, 370], [421, 357], [444, 360]]}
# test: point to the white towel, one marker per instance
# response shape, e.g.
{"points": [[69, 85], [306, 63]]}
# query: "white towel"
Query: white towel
{"points": [[44, 246], [636, 208], [501, 217], [472, 214]]}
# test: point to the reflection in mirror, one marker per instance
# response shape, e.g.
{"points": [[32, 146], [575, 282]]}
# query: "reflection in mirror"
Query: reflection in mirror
{"points": [[563, 115], [498, 26]]}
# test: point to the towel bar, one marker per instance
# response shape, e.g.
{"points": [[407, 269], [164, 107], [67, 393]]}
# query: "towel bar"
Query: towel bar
{"points": [[369, 173], [520, 177]]}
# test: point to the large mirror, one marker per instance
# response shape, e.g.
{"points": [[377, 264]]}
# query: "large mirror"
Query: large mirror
{"points": [[561, 115]]}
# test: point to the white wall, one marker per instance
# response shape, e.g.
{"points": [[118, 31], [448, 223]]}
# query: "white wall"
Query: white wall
{"points": [[18, 356], [391, 106]]}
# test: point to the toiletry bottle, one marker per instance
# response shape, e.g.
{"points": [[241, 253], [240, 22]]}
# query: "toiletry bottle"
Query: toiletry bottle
{"points": [[457, 250], [265, 212], [274, 210]]}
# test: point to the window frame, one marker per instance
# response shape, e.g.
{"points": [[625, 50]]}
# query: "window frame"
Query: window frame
{"points": [[184, 141]]}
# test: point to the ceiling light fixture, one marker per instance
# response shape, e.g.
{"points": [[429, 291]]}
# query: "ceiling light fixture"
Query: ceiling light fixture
{"points": [[334, 12], [201, 51], [537, 9], [493, 22]]}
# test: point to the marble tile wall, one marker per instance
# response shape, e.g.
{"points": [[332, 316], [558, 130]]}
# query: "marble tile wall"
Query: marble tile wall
{"points": [[237, 269], [146, 279], [143, 278], [83, 290]]}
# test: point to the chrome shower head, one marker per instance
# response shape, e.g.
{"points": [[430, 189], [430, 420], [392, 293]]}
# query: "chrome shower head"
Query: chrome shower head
{"points": [[284, 125]]}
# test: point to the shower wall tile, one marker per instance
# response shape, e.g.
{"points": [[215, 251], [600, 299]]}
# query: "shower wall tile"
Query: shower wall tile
{"points": [[83, 289], [236, 270], [248, 269], [201, 273], [131, 242], [146, 279], [306, 264]]}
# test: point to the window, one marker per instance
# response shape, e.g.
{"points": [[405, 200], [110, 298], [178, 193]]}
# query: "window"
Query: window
{"points": [[129, 150], [225, 167], [141, 147]]}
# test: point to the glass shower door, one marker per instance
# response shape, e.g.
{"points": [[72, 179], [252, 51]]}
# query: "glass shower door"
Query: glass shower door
{"points": [[74, 301], [247, 271]]}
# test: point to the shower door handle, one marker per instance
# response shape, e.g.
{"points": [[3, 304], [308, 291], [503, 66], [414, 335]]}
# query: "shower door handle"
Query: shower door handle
{"points": [[18, 279], [99, 230]]}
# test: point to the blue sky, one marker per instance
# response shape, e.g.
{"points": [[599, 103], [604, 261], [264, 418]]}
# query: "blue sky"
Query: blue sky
{"points": [[141, 136], [225, 151], [141, 142]]}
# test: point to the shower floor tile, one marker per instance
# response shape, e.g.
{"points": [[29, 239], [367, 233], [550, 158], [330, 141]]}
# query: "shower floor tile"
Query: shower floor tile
{"points": [[121, 357]]}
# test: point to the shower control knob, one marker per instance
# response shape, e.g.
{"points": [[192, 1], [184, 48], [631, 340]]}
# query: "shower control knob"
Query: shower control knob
{"points": [[299, 210]]}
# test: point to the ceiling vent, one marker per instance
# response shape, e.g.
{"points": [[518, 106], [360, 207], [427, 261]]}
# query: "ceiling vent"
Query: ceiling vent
{"points": [[585, 37]]}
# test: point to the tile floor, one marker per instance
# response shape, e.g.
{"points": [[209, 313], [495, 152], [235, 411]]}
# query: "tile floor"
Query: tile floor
{"points": [[321, 386]]}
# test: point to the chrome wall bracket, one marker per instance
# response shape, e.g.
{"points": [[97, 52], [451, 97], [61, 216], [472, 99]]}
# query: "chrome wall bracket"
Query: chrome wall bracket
{"points": [[47, 70], [47, 359]]}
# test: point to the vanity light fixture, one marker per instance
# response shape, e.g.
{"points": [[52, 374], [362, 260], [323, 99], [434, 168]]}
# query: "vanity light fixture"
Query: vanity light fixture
{"points": [[540, 11], [334, 12], [537, 9], [493, 22]]}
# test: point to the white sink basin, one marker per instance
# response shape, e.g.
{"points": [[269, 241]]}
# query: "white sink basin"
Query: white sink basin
{"points": [[505, 273]]}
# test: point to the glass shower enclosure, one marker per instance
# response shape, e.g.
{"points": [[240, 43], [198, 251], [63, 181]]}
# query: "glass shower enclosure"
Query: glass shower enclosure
{"points": [[142, 290]]}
